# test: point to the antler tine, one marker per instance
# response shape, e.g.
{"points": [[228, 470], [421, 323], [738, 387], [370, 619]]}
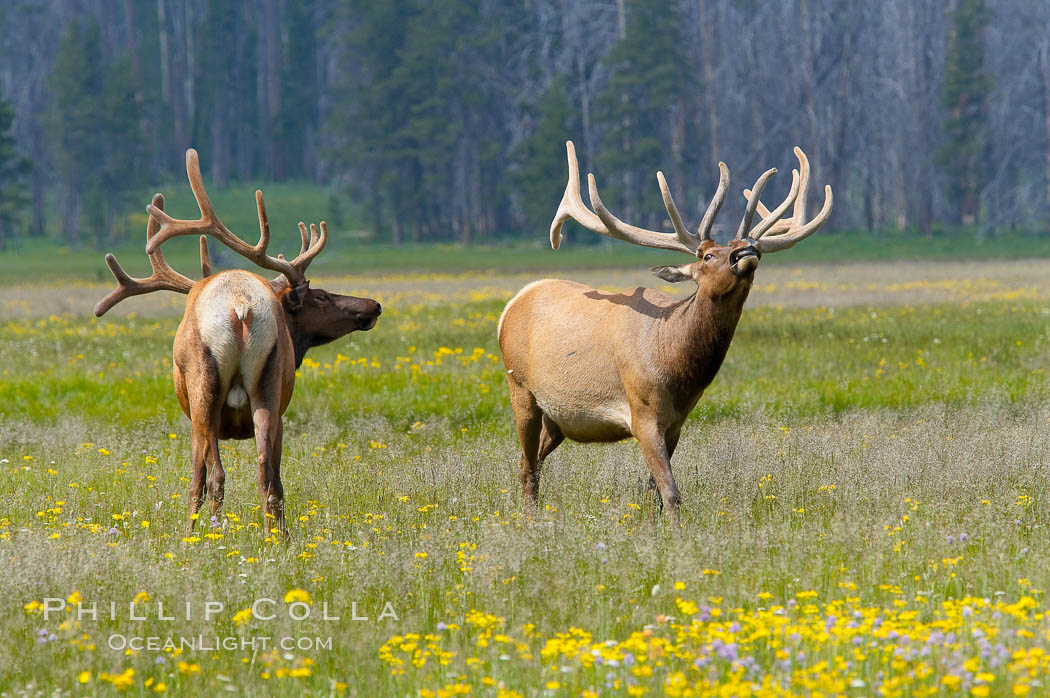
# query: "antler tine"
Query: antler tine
{"points": [[264, 222], [571, 206], [164, 278], [686, 237], [306, 238], [752, 202], [205, 257], [775, 243], [771, 218], [798, 215], [316, 244], [601, 221], [782, 234], [704, 230], [209, 224], [616, 228]]}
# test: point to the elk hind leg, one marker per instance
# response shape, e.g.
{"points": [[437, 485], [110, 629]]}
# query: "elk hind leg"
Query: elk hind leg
{"points": [[529, 421], [207, 467], [267, 429], [550, 438]]}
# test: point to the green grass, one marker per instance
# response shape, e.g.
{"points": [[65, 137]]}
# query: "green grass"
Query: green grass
{"points": [[883, 466], [804, 363]]}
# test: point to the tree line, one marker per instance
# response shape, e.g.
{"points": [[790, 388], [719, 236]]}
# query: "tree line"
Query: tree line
{"points": [[446, 120]]}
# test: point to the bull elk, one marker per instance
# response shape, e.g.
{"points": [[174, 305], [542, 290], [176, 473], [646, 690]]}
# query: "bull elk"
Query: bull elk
{"points": [[241, 339], [600, 367]]}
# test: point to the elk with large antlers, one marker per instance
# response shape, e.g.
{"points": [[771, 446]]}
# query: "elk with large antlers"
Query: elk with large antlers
{"points": [[596, 366], [241, 338]]}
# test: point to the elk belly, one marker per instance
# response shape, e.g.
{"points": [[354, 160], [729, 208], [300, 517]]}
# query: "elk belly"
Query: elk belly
{"points": [[605, 420]]}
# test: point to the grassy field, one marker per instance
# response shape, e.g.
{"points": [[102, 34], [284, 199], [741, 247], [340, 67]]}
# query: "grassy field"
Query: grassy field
{"points": [[865, 504]]}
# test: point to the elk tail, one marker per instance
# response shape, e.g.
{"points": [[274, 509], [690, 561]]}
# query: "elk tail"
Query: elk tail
{"points": [[243, 311]]}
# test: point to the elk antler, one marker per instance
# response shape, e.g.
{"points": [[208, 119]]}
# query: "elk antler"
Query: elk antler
{"points": [[312, 245], [209, 224], [682, 240], [164, 278], [782, 234], [605, 223]]}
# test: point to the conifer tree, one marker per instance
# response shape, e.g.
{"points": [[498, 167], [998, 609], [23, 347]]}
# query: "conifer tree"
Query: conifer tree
{"points": [[965, 93], [14, 175], [634, 108], [541, 155]]}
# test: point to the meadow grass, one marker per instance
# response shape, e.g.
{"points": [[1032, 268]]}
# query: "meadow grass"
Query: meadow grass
{"points": [[865, 514]]}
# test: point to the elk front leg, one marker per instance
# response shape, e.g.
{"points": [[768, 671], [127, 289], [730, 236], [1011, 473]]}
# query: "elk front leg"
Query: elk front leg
{"points": [[655, 452], [672, 442]]}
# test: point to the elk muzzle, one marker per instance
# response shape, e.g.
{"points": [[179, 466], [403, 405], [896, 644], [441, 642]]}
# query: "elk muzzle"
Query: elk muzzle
{"points": [[364, 311], [744, 260]]}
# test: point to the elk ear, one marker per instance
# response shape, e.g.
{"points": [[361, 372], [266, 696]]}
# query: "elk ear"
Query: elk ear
{"points": [[683, 272], [293, 300]]}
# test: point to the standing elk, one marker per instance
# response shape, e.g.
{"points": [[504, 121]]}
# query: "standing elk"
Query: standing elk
{"points": [[599, 367], [241, 339]]}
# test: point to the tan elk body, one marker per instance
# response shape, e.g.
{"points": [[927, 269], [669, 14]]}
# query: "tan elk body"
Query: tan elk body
{"points": [[240, 340], [591, 365]]}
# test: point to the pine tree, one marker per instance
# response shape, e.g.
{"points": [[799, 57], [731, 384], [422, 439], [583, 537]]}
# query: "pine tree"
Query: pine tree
{"points": [[966, 90], [124, 160], [369, 109], [77, 82], [634, 109], [14, 173], [296, 122], [539, 177]]}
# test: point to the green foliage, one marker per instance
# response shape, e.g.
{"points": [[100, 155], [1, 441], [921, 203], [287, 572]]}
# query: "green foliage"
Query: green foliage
{"points": [[76, 83], [966, 90], [123, 162], [95, 124], [635, 106], [411, 117], [297, 121], [542, 156], [14, 172], [369, 110]]}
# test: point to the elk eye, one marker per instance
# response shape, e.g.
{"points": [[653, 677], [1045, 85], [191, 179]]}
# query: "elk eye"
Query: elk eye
{"points": [[322, 298], [708, 257]]}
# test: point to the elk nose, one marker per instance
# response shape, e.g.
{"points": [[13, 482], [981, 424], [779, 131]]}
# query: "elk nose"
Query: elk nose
{"points": [[379, 309]]}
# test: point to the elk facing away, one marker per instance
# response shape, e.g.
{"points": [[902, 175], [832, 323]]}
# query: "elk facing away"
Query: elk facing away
{"points": [[596, 366], [240, 340]]}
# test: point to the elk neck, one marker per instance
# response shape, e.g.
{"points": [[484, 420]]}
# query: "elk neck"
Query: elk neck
{"points": [[696, 337], [301, 342]]}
